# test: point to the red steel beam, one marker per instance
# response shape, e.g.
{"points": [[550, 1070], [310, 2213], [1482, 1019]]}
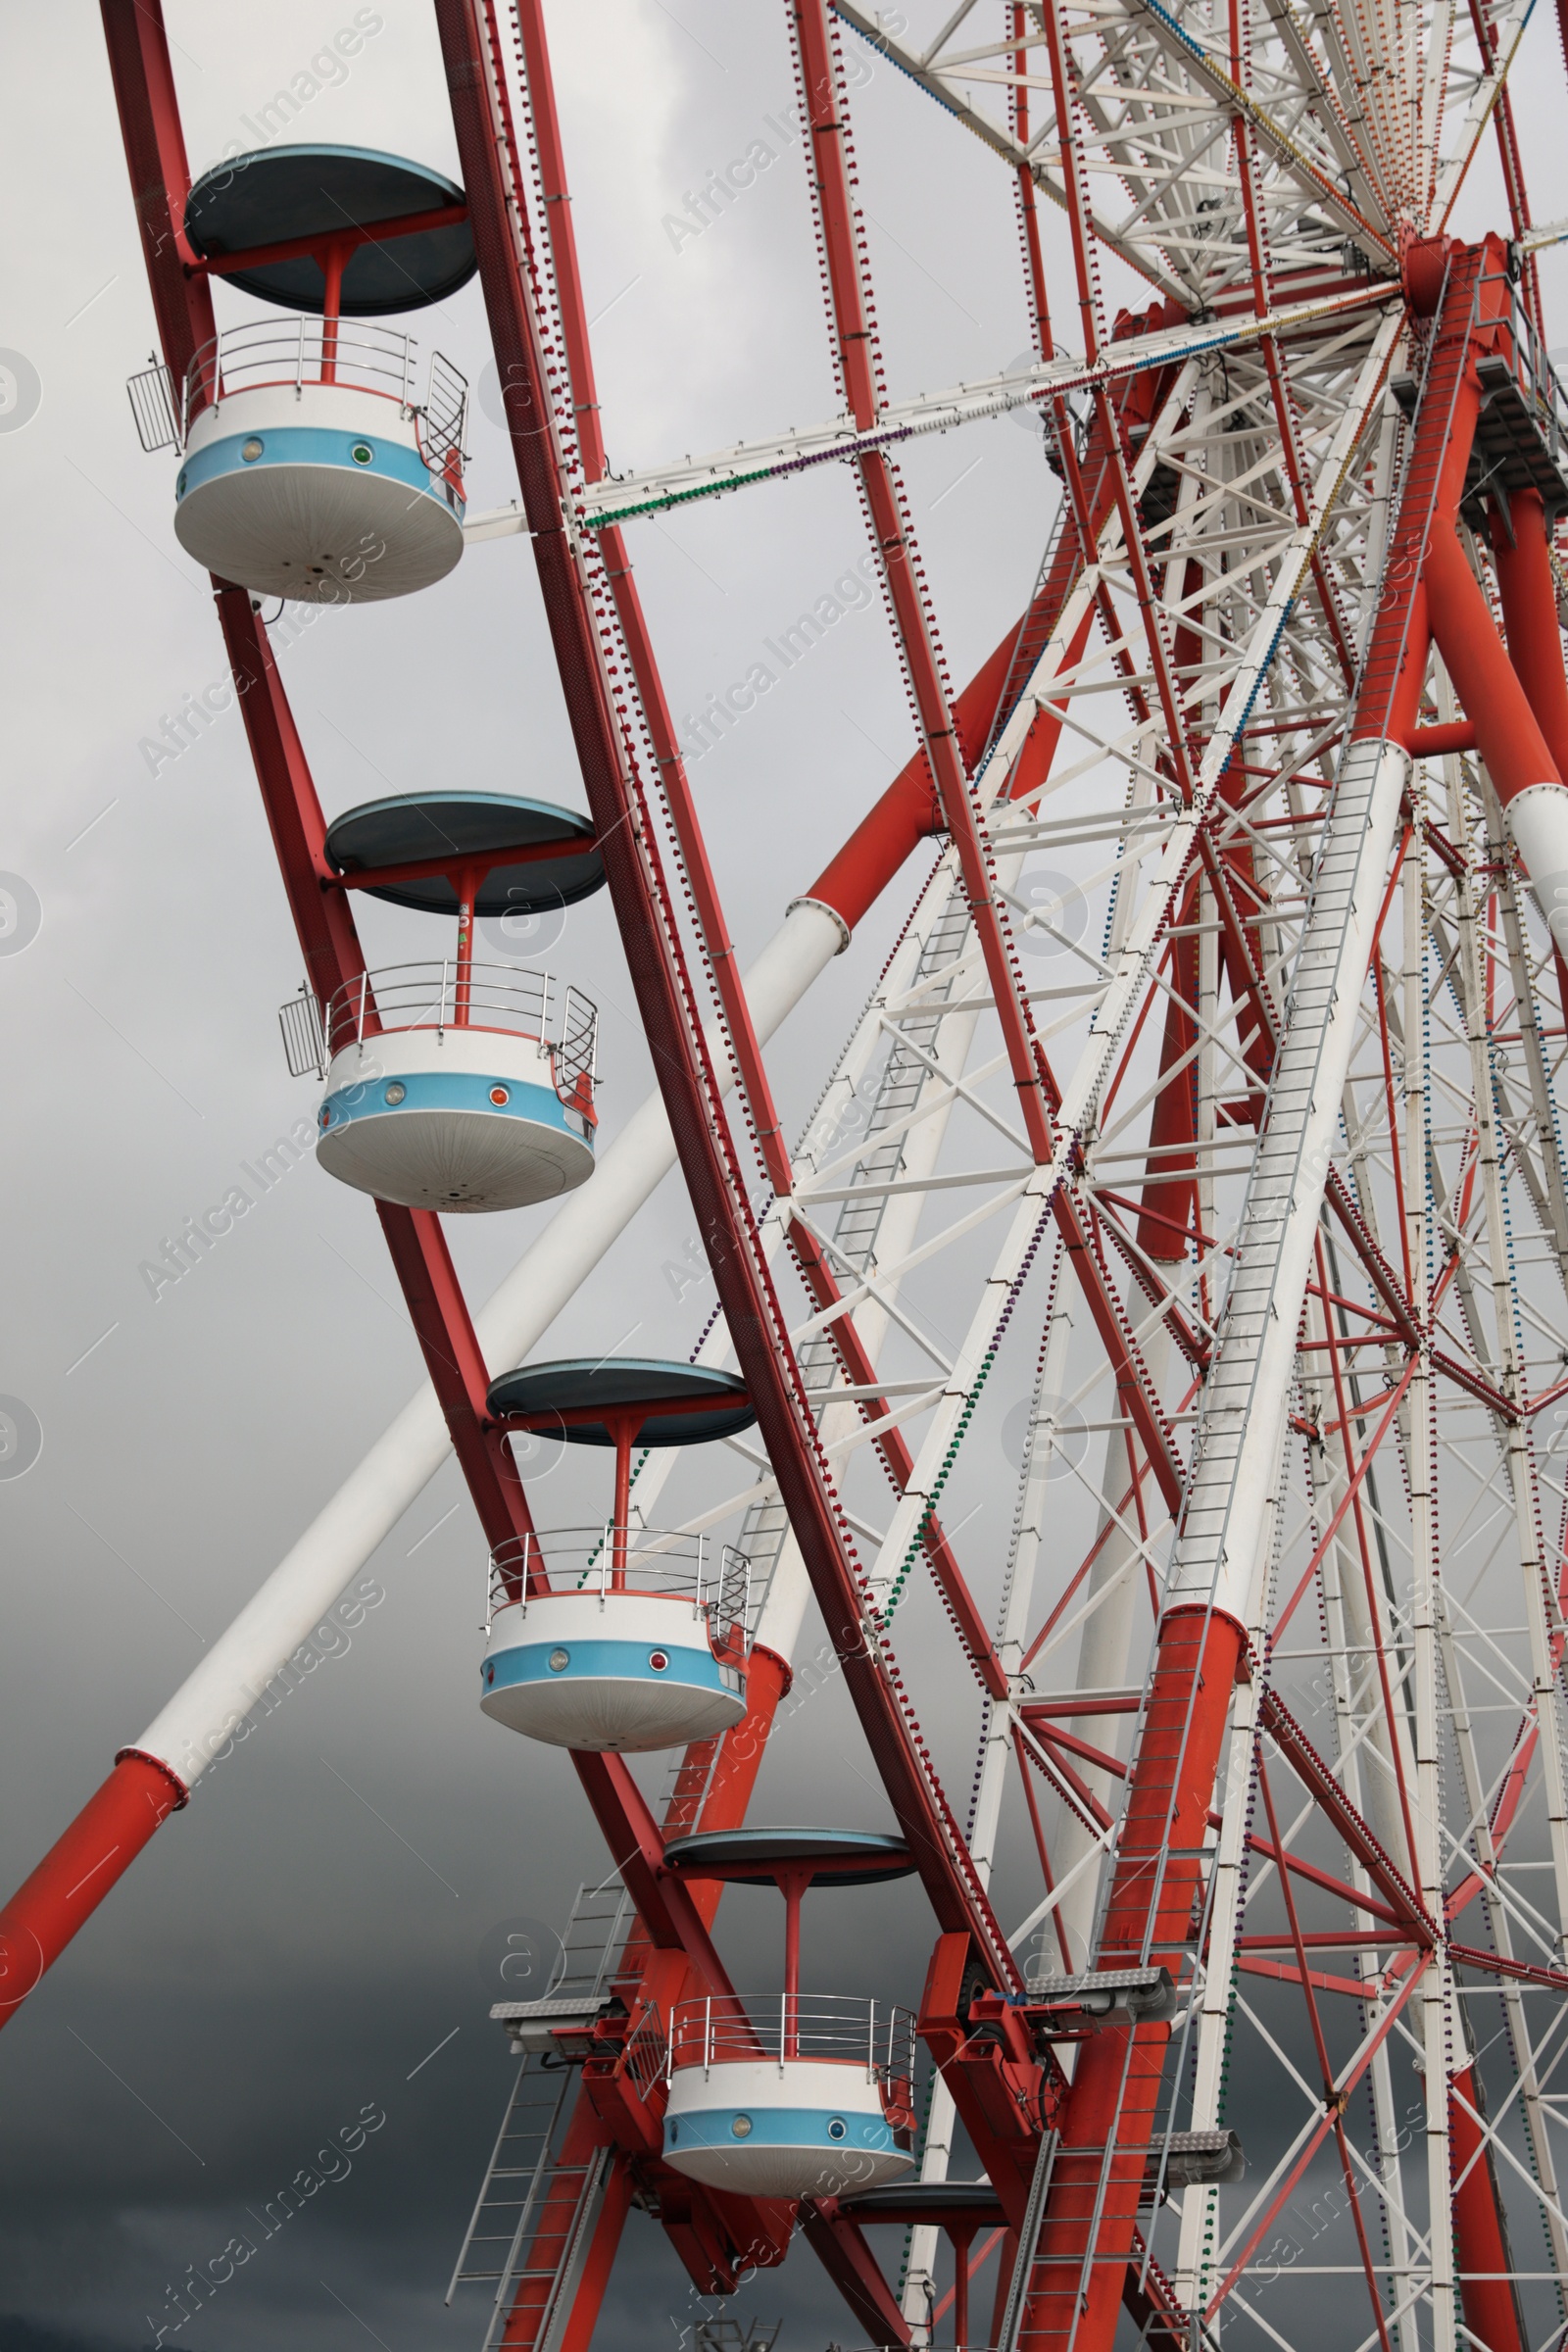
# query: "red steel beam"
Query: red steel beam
{"points": [[324, 918], [160, 175], [1318, 1779], [728, 1792], [470, 36], [140, 1794], [904, 817], [1134, 1388], [854, 340], [700, 878], [836, 2240], [1178, 745]]}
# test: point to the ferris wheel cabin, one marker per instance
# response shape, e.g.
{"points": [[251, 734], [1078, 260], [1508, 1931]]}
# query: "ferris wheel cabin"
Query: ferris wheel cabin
{"points": [[618, 1638], [454, 1085], [785, 2094], [322, 454]]}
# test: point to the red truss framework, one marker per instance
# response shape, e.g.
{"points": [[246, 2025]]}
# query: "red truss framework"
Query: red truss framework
{"points": [[1280, 1247]]}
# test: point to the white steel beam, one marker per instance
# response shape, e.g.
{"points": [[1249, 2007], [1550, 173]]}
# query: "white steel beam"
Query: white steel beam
{"points": [[617, 497], [1241, 1427], [210, 1706]]}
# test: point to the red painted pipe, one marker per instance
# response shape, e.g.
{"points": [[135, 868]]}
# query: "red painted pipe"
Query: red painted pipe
{"points": [[1490, 2303], [1513, 726], [909, 813], [1529, 617], [1434, 743], [78, 1870], [1507, 731], [905, 815], [1116, 2087]]}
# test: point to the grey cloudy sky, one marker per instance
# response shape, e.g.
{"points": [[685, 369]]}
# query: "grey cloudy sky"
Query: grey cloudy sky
{"points": [[292, 1950]]}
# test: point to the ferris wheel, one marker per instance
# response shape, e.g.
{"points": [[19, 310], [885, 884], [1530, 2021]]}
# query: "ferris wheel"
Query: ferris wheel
{"points": [[1197, 1154]]}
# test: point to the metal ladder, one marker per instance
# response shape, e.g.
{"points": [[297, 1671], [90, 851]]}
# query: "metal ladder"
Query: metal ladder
{"points": [[531, 2218], [595, 1933], [533, 2298], [509, 2194], [1012, 2318], [1286, 1185]]}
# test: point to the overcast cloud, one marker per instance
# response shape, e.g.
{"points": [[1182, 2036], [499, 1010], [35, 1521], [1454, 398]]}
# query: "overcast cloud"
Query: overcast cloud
{"points": [[289, 1980]]}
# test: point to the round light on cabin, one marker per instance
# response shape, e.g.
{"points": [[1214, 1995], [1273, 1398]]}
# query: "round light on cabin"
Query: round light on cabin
{"points": [[559, 1660], [252, 449], [499, 1094], [658, 1659], [396, 1092], [361, 453], [741, 2128], [836, 2128]]}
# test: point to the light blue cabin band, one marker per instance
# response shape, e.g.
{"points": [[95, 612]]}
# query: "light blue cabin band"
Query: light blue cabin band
{"points": [[604, 1662], [315, 444], [779, 2128], [451, 1090]]}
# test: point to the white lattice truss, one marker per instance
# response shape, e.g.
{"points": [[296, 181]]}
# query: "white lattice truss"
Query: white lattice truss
{"points": [[1254, 168]]}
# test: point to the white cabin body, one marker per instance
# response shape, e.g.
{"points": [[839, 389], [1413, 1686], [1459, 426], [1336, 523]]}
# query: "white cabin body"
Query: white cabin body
{"points": [[316, 492], [620, 1672], [453, 1119], [783, 2128]]}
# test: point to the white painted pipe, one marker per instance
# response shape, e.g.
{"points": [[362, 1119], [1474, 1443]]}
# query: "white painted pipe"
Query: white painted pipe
{"points": [[1537, 820], [1241, 1430], [211, 1704]]}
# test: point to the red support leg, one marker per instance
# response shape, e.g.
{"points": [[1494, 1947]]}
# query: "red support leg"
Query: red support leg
{"points": [[534, 2300], [848, 2262], [960, 2287], [78, 1870], [589, 2293], [160, 176], [665, 1002], [1076, 2290], [1490, 2301], [1523, 561]]}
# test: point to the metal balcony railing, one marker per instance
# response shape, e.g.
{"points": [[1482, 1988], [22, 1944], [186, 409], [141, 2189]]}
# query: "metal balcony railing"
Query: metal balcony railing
{"points": [[578, 1042], [647, 2058], [290, 353], [1538, 380], [155, 405], [713, 1577], [448, 995], [743, 2027], [304, 1036]]}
